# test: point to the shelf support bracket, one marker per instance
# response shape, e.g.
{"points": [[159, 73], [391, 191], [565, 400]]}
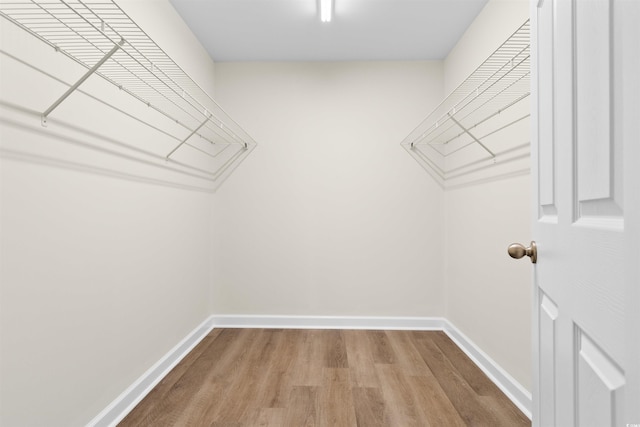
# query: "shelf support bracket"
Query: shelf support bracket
{"points": [[187, 138], [471, 135], [79, 82]]}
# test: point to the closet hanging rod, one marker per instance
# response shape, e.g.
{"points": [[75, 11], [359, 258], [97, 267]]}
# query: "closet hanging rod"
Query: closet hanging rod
{"points": [[500, 110], [477, 95], [491, 99], [490, 116], [519, 119], [513, 53], [87, 32]]}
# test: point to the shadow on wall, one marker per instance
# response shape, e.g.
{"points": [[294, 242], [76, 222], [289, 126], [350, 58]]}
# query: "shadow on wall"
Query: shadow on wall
{"points": [[84, 150], [147, 129]]}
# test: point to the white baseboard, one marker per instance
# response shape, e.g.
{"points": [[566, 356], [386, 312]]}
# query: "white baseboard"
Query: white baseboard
{"points": [[123, 404], [505, 382], [329, 322]]}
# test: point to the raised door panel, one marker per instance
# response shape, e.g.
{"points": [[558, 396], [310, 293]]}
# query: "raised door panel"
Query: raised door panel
{"points": [[597, 241], [547, 329], [599, 189], [600, 384], [546, 140]]}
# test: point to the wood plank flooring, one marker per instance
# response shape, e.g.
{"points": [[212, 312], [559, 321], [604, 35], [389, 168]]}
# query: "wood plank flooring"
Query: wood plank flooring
{"points": [[305, 378]]}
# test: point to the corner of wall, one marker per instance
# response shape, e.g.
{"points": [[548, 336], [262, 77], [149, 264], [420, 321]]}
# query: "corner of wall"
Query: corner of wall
{"points": [[470, 295]]}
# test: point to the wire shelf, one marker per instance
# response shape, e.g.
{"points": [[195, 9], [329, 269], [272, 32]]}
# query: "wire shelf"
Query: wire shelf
{"points": [[461, 132], [101, 37]]}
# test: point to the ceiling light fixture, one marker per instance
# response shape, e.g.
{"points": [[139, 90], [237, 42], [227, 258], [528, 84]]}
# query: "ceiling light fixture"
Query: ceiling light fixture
{"points": [[326, 10]]}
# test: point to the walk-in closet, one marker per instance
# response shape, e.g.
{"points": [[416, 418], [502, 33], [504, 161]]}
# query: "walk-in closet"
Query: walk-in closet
{"points": [[157, 201]]}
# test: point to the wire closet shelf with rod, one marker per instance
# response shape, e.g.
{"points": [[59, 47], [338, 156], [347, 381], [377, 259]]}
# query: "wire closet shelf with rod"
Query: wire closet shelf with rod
{"points": [[197, 135], [481, 130]]}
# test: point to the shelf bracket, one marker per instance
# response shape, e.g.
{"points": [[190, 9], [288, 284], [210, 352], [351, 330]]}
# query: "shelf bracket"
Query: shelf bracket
{"points": [[471, 135], [79, 82], [187, 138]]}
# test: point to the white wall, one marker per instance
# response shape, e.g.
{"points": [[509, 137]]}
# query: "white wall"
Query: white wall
{"points": [[329, 216], [488, 294], [105, 260]]}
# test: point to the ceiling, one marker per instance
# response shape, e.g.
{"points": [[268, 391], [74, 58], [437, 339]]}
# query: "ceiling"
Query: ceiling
{"points": [[361, 30]]}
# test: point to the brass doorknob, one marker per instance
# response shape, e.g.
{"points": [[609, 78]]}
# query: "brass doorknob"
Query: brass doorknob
{"points": [[516, 250]]}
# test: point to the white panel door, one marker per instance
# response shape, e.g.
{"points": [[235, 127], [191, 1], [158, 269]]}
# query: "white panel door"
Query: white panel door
{"points": [[586, 172]]}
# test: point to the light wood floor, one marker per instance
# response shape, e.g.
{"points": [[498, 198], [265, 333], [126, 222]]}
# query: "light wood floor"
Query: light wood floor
{"points": [[298, 378]]}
